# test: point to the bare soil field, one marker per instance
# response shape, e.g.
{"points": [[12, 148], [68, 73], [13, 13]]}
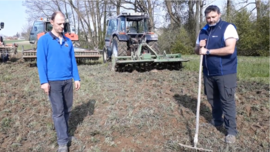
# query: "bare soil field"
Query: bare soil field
{"points": [[126, 112]]}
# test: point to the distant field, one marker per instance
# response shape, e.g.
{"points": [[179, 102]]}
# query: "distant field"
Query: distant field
{"points": [[21, 43], [248, 69], [15, 41]]}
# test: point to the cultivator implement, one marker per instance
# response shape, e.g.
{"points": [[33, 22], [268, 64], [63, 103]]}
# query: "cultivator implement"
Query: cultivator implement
{"points": [[146, 59], [81, 55], [8, 51]]}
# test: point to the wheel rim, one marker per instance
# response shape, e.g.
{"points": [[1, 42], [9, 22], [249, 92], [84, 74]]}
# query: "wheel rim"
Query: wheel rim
{"points": [[105, 55], [114, 51]]}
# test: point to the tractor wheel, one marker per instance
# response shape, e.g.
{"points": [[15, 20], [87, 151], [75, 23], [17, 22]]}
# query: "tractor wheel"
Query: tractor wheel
{"points": [[114, 68], [121, 47], [105, 55], [155, 47]]}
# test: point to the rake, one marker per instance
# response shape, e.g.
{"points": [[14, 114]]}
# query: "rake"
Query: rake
{"points": [[197, 114]]}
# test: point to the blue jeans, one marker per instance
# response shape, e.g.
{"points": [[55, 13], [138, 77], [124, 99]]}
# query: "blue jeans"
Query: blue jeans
{"points": [[220, 92], [61, 97]]}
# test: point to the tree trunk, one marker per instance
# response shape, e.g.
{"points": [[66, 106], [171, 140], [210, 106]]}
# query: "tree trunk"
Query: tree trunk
{"points": [[258, 7], [93, 11], [66, 12], [197, 17], [170, 12], [104, 22], [81, 18], [118, 5], [73, 16], [228, 12], [99, 34], [151, 15], [201, 13]]}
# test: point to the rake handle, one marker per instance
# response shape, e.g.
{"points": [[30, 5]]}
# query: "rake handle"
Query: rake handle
{"points": [[198, 104]]}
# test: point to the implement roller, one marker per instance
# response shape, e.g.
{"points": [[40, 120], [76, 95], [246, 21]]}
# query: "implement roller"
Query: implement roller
{"points": [[145, 58]]}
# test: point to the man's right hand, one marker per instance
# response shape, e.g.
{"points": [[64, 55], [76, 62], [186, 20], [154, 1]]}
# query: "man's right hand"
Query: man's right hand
{"points": [[203, 43], [46, 88]]}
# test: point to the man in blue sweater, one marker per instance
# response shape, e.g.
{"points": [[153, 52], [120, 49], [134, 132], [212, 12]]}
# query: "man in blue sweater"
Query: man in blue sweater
{"points": [[57, 67], [217, 42]]}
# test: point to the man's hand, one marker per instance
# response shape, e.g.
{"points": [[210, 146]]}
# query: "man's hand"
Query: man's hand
{"points": [[202, 51], [199, 46], [77, 85], [46, 88], [203, 43]]}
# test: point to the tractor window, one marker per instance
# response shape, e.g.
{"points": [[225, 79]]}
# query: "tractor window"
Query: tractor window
{"points": [[141, 26], [146, 25], [114, 25], [38, 27], [48, 26], [111, 28], [136, 26], [66, 28], [123, 24]]}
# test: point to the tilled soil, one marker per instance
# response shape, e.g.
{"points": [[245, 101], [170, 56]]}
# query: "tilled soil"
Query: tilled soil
{"points": [[126, 111]]}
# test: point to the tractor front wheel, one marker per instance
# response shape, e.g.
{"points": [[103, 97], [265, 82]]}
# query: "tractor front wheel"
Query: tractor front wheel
{"points": [[105, 55], [121, 47]]}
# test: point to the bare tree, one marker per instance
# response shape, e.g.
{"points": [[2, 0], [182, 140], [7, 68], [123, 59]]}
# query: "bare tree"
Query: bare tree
{"points": [[197, 17], [26, 29], [39, 8], [258, 7]]}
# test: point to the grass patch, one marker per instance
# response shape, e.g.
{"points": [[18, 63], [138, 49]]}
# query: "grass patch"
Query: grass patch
{"points": [[13, 41], [21, 44], [249, 68], [26, 46]]}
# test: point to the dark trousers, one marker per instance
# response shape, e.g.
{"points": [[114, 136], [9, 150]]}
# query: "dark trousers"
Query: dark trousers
{"points": [[220, 92], [61, 97]]}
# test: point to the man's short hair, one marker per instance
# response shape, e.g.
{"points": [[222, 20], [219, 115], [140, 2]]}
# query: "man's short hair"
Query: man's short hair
{"points": [[55, 13], [211, 8]]}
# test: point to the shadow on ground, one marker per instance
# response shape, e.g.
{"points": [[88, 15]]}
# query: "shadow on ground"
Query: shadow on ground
{"points": [[191, 103], [79, 113]]}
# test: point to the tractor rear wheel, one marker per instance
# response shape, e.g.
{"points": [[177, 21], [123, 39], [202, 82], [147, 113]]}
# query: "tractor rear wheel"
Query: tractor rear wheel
{"points": [[105, 55], [121, 47], [155, 47]]}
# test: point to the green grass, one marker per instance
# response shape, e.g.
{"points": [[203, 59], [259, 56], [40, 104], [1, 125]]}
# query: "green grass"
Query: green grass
{"points": [[25, 43], [13, 41], [26, 47], [248, 69]]}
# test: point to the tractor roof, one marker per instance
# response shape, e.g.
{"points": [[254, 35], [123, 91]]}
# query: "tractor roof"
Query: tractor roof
{"points": [[137, 16]]}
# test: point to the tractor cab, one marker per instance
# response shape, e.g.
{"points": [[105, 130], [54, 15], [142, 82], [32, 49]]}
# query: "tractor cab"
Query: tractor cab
{"points": [[42, 26]]}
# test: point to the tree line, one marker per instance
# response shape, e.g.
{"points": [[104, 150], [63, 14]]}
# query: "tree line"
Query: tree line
{"points": [[177, 22]]}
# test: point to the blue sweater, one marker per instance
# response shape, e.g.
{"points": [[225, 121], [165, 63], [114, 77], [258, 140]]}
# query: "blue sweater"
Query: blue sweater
{"points": [[54, 61], [214, 65]]}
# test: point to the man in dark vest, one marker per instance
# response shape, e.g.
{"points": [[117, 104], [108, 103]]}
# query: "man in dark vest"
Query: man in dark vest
{"points": [[217, 43]]}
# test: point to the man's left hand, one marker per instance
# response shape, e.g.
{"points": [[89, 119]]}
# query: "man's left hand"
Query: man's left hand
{"points": [[202, 51], [77, 85]]}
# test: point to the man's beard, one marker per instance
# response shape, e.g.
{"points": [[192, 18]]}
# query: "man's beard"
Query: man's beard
{"points": [[214, 23]]}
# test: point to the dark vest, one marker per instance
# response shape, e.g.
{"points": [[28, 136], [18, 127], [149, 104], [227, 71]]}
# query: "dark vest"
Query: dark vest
{"points": [[217, 65]]}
